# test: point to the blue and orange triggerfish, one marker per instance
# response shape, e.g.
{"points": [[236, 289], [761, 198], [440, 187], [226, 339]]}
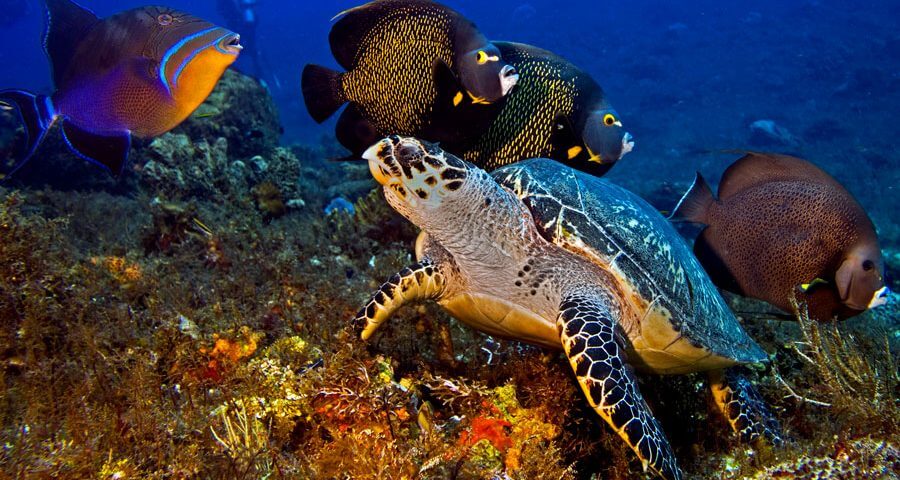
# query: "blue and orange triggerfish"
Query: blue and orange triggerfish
{"points": [[140, 72]]}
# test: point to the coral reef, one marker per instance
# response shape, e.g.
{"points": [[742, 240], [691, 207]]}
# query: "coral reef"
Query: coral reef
{"points": [[863, 459], [240, 110], [192, 321]]}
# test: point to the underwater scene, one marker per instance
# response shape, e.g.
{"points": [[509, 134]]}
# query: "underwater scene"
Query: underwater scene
{"points": [[408, 239]]}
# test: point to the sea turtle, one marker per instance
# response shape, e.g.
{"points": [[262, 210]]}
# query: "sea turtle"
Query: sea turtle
{"points": [[545, 254]]}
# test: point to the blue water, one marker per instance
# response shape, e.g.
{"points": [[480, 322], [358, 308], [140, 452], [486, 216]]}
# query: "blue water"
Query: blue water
{"points": [[688, 78]]}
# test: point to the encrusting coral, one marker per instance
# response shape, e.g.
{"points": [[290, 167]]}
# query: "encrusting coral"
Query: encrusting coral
{"points": [[174, 327]]}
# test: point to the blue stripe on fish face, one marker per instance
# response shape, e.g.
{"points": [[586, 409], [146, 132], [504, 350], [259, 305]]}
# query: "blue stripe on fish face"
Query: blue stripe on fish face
{"points": [[174, 49], [197, 51]]}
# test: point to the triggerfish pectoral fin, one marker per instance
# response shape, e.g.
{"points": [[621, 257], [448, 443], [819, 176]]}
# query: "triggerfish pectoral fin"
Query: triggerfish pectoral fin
{"points": [[109, 150], [36, 114]]}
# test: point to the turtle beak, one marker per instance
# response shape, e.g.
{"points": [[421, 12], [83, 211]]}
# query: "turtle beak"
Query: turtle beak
{"points": [[376, 167]]}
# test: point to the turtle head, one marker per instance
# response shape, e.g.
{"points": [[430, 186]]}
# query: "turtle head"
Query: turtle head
{"points": [[416, 175]]}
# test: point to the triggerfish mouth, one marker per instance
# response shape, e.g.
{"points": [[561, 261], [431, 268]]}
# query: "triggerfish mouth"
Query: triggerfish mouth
{"points": [[140, 73]]}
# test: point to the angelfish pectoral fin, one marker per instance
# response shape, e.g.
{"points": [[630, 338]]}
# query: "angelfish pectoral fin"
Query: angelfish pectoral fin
{"points": [[805, 287], [108, 150], [419, 281], [587, 331]]}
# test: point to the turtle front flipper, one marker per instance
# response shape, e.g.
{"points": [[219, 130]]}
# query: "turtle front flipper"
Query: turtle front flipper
{"points": [[587, 330], [743, 407], [420, 281]]}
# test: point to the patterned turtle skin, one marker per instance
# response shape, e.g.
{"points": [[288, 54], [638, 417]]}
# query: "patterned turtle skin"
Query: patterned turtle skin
{"points": [[546, 255]]}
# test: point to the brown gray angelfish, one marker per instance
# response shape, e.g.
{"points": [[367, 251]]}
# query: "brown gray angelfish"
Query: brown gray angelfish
{"points": [[782, 227]]}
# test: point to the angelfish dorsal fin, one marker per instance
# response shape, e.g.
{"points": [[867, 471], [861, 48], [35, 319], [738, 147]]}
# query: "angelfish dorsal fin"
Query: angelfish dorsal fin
{"points": [[67, 24]]}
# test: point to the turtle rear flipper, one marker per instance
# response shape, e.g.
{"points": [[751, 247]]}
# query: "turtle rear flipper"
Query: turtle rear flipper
{"points": [[587, 330], [743, 408], [420, 281]]}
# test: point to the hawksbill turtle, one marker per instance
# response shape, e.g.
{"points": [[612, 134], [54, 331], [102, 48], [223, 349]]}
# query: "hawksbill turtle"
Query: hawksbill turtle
{"points": [[544, 254]]}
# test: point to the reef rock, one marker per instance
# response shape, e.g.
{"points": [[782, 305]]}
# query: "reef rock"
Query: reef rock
{"points": [[239, 110]]}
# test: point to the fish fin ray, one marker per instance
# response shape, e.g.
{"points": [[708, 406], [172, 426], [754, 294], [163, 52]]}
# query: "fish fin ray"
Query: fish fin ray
{"points": [[322, 91], [36, 115], [67, 23], [109, 151], [694, 205], [355, 132]]}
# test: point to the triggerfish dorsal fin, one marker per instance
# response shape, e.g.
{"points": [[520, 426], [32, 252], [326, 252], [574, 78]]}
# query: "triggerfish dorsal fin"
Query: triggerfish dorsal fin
{"points": [[67, 24], [695, 204], [36, 114], [109, 150]]}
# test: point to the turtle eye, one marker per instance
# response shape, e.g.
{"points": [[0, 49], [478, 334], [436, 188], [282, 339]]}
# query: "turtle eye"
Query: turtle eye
{"points": [[609, 119], [165, 19], [481, 57], [868, 265]]}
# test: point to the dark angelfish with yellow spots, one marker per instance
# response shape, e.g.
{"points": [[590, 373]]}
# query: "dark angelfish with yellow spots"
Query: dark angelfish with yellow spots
{"points": [[140, 72], [780, 228], [556, 111], [403, 59]]}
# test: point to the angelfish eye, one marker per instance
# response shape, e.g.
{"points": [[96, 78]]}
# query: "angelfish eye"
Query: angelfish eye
{"points": [[868, 265], [609, 119], [165, 19], [481, 57]]}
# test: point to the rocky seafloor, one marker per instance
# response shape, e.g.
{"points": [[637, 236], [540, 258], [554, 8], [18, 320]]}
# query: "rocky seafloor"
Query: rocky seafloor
{"points": [[191, 319]]}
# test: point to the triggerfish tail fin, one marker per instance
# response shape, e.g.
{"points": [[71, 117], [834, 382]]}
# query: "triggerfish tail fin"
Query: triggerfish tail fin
{"points": [[695, 204], [322, 91], [109, 151], [36, 114]]}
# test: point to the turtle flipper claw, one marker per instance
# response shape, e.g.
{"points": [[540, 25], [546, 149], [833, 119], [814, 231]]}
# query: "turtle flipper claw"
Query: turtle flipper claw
{"points": [[587, 331], [419, 281], [743, 407]]}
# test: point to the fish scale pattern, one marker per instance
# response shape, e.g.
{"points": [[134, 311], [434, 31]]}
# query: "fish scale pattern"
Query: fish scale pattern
{"points": [[588, 335], [387, 83], [524, 127]]}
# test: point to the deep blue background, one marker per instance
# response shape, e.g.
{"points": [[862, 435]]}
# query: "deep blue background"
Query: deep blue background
{"points": [[688, 77]]}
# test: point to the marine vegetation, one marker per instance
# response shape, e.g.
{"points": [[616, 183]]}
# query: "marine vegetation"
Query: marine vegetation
{"points": [[166, 327]]}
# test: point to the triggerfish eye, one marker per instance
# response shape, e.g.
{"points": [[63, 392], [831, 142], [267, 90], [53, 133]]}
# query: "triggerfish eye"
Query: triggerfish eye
{"points": [[165, 19]]}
